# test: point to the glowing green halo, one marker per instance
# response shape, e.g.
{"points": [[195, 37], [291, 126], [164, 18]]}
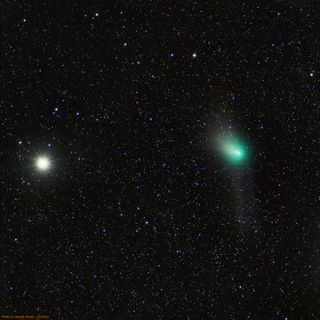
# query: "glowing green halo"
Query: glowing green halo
{"points": [[233, 150]]}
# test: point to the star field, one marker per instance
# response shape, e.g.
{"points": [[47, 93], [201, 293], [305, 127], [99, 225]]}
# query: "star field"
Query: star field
{"points": [[160, 160]]}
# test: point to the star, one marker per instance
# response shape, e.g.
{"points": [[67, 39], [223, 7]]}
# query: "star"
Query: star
{"points": [[43, 163]]}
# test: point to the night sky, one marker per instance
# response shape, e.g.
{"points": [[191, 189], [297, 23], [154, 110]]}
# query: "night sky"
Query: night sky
{"points": [[160, 159]]}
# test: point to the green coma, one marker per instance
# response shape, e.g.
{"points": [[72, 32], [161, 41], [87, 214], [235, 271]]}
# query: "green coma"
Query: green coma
{"points": [[234, 150]]}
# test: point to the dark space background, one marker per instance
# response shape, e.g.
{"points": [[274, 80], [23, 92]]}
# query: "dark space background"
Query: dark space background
{"points": [[137, 217]]}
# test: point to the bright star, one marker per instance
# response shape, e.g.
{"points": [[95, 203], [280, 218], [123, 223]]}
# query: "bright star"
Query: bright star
{"points": [[43, 163]]}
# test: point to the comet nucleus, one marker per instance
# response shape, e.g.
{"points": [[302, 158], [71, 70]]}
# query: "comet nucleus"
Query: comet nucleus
{"points": [[233, 150]]}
